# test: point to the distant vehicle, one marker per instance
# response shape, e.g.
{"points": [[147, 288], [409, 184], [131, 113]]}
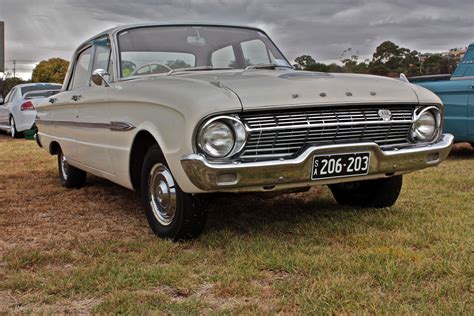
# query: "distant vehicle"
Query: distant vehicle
{"points": [[177, 112], [457, 93], [18, 112]]}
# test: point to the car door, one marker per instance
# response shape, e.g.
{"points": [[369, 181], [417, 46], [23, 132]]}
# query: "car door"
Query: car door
{"points": [[4, 111], [93, 117], [64, 111], [470, 118]]}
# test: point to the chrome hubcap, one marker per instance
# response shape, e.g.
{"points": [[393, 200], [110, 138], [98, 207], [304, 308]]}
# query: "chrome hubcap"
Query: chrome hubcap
{"points": [[162, 194], [64, 166]]}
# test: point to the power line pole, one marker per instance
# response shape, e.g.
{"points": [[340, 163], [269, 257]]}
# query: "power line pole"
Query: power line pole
{"points": [[14, 72]]}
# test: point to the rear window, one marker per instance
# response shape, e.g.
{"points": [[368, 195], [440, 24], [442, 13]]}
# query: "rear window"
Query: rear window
{"points": [[40, 87], [466, 67], [40, 94]]}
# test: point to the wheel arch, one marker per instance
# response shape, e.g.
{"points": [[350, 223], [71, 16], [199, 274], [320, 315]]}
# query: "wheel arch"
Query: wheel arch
{"points": [[141, 144], [54, 148]]}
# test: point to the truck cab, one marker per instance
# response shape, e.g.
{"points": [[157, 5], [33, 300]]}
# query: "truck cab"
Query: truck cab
{"points": [[457, 93]]}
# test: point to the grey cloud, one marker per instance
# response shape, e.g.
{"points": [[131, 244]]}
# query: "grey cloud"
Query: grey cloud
{"points": [[38, 30]]}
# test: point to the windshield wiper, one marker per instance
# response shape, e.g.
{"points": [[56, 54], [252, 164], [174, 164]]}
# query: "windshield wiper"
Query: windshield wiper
{"points": [[265, 66], [197, 68]]}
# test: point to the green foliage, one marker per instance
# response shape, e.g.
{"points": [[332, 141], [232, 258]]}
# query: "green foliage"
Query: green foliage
{"points": [[389, 59], [51, 70], [7, 84], [437, 64]]}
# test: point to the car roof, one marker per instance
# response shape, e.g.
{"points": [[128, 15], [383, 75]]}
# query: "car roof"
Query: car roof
{"points": [[117, 29], [36, 84]]}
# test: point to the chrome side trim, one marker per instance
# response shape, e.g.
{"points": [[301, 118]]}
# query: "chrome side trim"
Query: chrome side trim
{"points": [[463, 78], [121, 126], [113, 126], [362, 123]]}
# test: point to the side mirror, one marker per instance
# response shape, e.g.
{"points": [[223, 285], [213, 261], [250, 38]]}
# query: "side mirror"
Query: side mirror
{"points": [[404, 78], [100, 76]]}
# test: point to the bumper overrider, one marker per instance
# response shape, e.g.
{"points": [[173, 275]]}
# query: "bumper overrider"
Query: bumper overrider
{"points": [[296, 173]]}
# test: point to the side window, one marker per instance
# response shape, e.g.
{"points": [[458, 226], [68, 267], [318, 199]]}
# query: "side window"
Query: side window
{"points": [[82, 72], [102, 56], [466, 67], [9, 95], [16, 95], [223, 57], [255, 52]]}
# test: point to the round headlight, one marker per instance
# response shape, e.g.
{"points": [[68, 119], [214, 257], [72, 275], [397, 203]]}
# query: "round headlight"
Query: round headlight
{"points": [[425, 127], [216, 139]]}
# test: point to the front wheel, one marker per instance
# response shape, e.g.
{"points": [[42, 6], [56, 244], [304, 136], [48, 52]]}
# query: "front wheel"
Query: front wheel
{"points": [[377, 193], [70, 176], [171, 213]]}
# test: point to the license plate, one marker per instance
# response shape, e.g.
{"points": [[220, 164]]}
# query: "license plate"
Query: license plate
{"points": [[340, 165]]}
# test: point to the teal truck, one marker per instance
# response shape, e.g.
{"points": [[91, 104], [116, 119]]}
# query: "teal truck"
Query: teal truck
{"points": [[457, 93]]}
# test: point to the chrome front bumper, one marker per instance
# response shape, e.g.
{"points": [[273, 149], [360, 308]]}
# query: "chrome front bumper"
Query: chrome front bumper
{"points": [[296, 173]]}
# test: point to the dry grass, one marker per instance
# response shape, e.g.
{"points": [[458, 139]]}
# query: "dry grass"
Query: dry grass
{"points": [[90, 250]]}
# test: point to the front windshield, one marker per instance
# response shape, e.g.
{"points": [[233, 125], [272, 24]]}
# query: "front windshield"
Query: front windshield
{"points": [[160, 49]]}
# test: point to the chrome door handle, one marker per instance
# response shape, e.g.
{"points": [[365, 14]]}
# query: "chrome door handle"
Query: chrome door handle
{"points": [[76, 97], [52, 100]]}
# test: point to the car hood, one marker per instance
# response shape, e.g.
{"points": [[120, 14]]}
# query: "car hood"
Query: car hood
{"points": [[259, 88]]}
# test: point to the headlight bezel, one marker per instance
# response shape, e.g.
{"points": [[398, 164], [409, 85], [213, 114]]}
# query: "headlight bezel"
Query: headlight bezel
{"points": [[239, 134], [419, 112]]}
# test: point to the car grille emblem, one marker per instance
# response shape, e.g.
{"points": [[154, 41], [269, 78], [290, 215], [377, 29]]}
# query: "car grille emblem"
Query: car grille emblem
{"points": [[385, 114]]}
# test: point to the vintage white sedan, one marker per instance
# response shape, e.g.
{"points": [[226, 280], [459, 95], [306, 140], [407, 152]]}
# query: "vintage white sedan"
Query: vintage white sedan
{"points": [[176, 112]]}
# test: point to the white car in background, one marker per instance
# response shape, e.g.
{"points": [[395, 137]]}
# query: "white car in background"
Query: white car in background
{"points": [[18, 112]]}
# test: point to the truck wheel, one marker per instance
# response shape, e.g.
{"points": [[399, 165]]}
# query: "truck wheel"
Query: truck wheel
{"points": [[13, 132], [70, 176], [171, 213], [377, 193]]}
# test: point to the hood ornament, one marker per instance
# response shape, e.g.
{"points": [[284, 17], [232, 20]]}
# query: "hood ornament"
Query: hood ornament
{"points": [[385, 114]]}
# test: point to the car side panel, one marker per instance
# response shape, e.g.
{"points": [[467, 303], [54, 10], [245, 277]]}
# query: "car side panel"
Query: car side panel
{"points": [[24, 120], [91, 132], [470, 112], [4, 114], [170, 117], [455, 95], [61, 111]]}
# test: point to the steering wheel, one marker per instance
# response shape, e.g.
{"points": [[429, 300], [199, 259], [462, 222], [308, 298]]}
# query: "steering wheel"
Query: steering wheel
{"points": [[152, 70]]}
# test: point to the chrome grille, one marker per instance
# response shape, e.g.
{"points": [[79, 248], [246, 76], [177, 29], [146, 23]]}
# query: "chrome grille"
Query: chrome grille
{"points": [[282, 134]]}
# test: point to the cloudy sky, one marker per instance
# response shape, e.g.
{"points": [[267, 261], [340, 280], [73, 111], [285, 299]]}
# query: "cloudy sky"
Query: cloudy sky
{"points": [[37, 30]]}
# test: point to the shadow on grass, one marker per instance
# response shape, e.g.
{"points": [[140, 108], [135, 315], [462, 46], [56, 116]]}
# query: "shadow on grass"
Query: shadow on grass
{"points": [[462, 151], [249, 213]]}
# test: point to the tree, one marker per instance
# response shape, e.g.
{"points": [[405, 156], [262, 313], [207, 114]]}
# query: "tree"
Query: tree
{"points": [[306, 62], [7, 84], [51, 70], [437, 64], [389, 57], [351, 63]]}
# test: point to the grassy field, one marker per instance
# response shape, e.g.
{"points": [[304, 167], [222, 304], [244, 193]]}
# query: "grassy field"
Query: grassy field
{"points": [[90, 249]]}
